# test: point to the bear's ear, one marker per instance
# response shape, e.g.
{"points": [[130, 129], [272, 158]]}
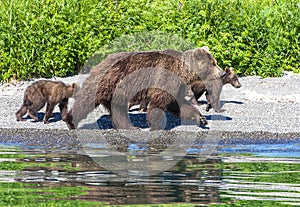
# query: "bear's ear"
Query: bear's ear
{"points": [[203, 53], [198, 52], [205, 48], [228, 70], [74, 85]]}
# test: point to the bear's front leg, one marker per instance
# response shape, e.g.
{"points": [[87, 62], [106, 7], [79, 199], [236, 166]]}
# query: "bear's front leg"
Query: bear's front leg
{"points": [[119, 117], [208, 107], [49, 110]]}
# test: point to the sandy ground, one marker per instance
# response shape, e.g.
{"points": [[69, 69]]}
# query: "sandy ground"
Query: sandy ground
{"points": [[269, 105]]}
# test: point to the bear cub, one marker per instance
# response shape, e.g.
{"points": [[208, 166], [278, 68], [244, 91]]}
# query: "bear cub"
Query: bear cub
{"points": [[199, 87], [43, 92]]}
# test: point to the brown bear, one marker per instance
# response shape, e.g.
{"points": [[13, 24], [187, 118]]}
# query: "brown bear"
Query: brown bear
{"points": [[161, 77], [42, 92], [199, 87]]}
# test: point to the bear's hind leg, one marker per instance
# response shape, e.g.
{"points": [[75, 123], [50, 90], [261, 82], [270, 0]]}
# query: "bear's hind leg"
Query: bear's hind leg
{"points": [[31, 113], [49, 110]]}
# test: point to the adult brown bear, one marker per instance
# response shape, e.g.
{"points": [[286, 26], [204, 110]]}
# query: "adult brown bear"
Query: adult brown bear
{"points": [[161, 77]]}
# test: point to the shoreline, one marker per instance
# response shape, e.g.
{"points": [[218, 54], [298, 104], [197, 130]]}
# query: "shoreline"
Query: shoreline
{"points": [[62, 137]]}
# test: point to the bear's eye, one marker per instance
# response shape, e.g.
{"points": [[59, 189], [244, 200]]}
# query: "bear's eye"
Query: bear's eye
{"points": [[214, 62]]}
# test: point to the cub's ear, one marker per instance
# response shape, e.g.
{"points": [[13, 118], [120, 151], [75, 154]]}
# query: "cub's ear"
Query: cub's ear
{"points": [[75, 88], [228, 70]]}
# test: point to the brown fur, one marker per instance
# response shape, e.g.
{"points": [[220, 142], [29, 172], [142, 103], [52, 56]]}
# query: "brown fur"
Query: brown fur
{"points": [[199, 87], [110, 84], [44, 92]]}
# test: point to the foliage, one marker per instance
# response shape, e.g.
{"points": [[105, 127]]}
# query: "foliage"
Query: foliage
{"points": [[44, 38]]}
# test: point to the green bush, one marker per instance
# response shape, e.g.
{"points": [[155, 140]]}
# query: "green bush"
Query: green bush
{"points": [[44, 38]]}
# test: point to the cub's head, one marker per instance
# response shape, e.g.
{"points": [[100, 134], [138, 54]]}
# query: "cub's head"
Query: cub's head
{"points": [[230, 77], [70, 90]]}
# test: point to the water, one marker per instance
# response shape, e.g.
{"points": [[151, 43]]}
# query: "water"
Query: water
{"points": [[241, 172]]}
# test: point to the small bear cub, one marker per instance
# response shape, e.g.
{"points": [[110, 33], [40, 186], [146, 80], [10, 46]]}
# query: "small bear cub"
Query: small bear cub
{"points": [[43, 92]]}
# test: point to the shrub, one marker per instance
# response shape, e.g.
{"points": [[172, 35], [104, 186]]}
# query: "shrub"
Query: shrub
{"points": [[44, 38]]}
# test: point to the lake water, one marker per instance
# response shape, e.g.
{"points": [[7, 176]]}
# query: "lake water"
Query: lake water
{"points": [[240, 172]]}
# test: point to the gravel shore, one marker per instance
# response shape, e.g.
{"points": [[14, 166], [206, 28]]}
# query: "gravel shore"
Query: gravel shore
{"points": [[268, 105]]}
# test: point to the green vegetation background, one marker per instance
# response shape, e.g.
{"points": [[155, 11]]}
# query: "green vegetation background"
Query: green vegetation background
{"points": [[45, 38]]}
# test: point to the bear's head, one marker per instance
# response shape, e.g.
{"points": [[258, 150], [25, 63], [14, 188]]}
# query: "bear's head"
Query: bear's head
{"points": [[70, 90], [231, 77]]}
